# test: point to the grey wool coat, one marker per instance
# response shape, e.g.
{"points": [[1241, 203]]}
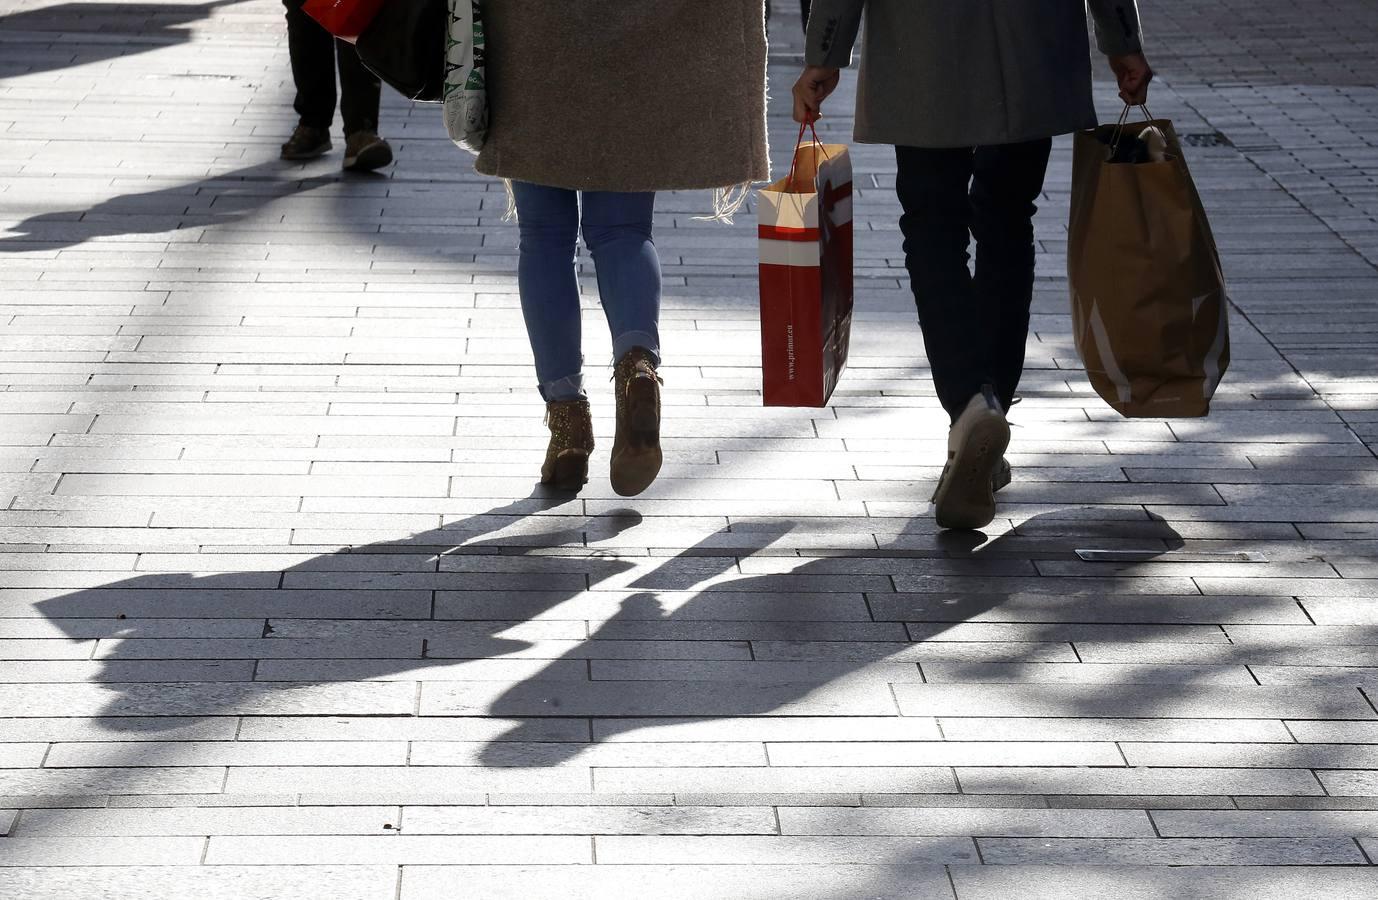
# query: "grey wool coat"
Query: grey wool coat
{"points": [[626, 95], [965, 73]]}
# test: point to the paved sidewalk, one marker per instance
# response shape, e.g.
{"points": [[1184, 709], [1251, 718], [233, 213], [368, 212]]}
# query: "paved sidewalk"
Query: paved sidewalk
{"points": [[283, 613]]}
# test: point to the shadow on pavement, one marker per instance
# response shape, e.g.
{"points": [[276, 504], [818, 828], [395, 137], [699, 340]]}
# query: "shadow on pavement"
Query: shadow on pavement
{"points": [[366, 612], [221, 199], [156, 25], [713, 689]]}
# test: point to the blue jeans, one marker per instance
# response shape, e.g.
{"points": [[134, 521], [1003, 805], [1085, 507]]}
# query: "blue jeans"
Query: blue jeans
{"points": [[617, 231]]}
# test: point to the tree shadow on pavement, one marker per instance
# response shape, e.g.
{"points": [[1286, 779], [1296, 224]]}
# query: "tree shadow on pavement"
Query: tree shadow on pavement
{"points": [[222, 199], [818, 606], [379, 598], [156, 25]]}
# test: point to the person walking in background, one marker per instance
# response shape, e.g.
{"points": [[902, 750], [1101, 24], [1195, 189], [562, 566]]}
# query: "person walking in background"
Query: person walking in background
{"points": [[971, 94], [589, 117], [315, 54]]}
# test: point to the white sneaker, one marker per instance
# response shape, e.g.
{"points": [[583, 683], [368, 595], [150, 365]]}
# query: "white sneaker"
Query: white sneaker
{"points": [[975, 448]]}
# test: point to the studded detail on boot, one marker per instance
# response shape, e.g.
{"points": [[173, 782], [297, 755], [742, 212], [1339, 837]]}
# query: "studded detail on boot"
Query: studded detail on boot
{"points": [[566, 465], [636, 456]]}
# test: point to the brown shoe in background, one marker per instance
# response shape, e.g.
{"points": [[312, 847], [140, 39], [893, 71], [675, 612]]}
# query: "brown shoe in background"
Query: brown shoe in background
{"points": [[305, 143], [636, 456], [365, 151], [566, 465]]}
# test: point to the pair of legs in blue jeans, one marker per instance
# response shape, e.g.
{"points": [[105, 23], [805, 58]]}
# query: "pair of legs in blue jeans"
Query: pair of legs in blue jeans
{"points": [[617, 230]]}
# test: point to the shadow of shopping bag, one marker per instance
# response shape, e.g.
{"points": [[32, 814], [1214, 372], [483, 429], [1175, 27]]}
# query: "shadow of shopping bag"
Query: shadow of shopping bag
{"points": [[1149, 310], [806, 276]]}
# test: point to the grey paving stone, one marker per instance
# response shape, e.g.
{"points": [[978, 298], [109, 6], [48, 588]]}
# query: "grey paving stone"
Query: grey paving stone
{"points": [[766, 728], [682, 882], [117, 851], [22, 756], [486, 670], [1032, 780], [1267, 823], [227, 753], [117, 729], [417, 782], [121, 780], [398, 850], [1351, 783], [515, 753], [941, 753], [782, 850], [200, 821], [776, 779], [1083, 673], [1177, 851], [960, 822], [125, 671], [662, 698], [1114, 729], [1140, 882], [547, 819], [966, 651], [409, 728], [1258, 756], [753, 672], [133, 882], [46, 700], [1335, 732], [1149, 701]]}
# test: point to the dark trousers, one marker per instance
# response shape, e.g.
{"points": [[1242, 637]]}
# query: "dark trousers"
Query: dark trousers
{"points": [[314, 55], [974, 327]]}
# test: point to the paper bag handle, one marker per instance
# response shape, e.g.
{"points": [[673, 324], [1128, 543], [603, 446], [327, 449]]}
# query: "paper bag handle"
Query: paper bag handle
{"points": [[1120, 126], [794, 161]]}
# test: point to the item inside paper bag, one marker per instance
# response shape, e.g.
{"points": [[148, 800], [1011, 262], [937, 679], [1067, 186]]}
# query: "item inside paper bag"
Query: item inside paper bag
{"points": [[1149, 146]]}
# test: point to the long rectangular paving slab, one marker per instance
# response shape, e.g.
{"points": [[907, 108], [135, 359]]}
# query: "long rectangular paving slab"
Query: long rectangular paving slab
{"points": [[591, 820], [1139, 882], [1140, 701], [788, 849], [398, 849], [1266, 823], [681, 882], [1174, 852], [1051, 823], [130, 881], [200, 821]]}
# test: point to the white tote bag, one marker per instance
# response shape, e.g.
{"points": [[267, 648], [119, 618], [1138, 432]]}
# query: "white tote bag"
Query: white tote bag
{"points": [[465, 96]]}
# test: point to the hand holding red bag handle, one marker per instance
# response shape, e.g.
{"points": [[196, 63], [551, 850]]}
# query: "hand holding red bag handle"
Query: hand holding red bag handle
{"points": [[346, 19]]}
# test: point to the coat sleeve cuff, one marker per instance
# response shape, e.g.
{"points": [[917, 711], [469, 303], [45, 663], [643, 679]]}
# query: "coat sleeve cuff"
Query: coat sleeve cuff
{"points": [[1118, 45]]}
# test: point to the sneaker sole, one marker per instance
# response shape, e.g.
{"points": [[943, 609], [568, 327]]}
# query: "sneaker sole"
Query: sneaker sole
{"points": [[966, 499], [636, 464], [369, 159]]}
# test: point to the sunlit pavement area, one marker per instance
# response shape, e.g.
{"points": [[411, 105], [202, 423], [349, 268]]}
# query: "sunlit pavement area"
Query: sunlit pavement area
{"points": [[284, 613]]}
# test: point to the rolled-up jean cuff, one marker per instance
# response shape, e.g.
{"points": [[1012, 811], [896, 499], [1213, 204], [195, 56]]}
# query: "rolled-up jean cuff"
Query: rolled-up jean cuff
{"points": [[629, 340], [571, 387]]}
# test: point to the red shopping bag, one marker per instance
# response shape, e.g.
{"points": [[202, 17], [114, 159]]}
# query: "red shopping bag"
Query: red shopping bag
{"points": [[806, 276], [346, 19]]}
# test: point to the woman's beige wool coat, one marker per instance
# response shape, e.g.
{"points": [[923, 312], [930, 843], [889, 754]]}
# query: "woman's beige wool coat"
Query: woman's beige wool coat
{"points": [[626, 95], [967, 73]]}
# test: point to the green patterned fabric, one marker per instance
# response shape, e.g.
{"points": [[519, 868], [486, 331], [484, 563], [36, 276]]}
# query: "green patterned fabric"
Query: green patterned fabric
{"points": [[466, 94]]}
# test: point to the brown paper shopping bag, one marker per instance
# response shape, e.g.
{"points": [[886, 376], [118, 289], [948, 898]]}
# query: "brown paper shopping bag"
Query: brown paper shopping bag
{"points": [[1148, 297], [805, 235]]}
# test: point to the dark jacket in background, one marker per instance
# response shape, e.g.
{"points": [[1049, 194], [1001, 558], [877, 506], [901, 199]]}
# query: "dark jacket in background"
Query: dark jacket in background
{"points": [[965, 73]]}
